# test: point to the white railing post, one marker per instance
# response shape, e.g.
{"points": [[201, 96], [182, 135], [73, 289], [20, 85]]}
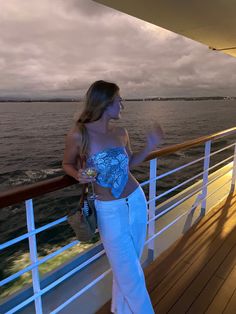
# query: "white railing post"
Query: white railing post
{"points": [[233, 171], [152, 208], [205, 176], [33, 254]]}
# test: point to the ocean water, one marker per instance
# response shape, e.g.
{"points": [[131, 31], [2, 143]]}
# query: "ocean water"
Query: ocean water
{"points": [[32, 143]]}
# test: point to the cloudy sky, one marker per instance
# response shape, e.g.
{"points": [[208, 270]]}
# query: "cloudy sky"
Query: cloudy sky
{"points": [[59, 47]]}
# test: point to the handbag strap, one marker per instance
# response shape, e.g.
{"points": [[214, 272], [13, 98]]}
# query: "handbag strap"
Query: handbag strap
{"points": [[82, 160]]}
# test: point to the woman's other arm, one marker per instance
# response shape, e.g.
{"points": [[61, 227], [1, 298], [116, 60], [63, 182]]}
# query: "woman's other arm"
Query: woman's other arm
{"points": [[71, 154], [154, 138], [70, 159]]}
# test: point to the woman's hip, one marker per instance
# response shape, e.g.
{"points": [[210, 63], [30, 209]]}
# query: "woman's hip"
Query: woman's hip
{"points": [[119, 217]]}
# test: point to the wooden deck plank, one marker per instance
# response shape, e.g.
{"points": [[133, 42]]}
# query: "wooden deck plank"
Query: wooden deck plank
{"points": [[202, 303], [175, 265], [182, 261], [231, 307], [214, 286], [229, 263], [193, 272], [208, 267], [185, 290], [168, 287], [225, 293], [182, 251]]}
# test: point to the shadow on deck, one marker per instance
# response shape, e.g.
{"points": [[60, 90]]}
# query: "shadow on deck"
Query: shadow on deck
{"points": [[198, 273]]}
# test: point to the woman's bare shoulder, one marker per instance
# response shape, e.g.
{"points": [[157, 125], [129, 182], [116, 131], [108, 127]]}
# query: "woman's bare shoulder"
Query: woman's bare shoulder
{"points": [[122, 131], [74, 135]]}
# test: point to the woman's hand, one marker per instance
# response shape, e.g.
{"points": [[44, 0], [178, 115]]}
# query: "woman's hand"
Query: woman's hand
{"points": [[83, 178], [154, 136]]}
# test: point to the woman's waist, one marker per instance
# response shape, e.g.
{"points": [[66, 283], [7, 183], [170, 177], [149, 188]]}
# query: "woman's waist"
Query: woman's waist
{"points": [[137, 195], [104, 193]]}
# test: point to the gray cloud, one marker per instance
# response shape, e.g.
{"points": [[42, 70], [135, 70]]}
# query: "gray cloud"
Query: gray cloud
{"points": [[62, 46]]}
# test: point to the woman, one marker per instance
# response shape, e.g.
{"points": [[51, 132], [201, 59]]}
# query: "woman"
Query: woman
{"points": [[121, 204]]}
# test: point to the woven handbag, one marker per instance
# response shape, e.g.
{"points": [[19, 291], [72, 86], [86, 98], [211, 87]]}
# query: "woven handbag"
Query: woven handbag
{"points": [[83, 220]]}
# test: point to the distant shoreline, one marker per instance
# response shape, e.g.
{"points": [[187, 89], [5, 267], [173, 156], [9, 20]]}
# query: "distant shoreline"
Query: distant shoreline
{"points": [[125, 99]]}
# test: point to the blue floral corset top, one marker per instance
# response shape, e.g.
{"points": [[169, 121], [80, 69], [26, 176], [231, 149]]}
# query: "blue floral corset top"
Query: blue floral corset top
{"points": [[112, 167]]}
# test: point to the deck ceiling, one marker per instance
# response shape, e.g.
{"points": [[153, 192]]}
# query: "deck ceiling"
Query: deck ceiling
{"points": [[211, 22]]}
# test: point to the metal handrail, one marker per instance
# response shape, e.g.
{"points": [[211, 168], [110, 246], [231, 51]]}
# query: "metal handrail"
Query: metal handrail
{"points": [[40, 262], [188, 164], [180, 216], [26, 235], [164, 212], [187, 181]]}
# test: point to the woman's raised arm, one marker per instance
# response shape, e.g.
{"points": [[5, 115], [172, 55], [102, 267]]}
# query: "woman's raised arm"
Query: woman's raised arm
{"points": [[154, 138]]}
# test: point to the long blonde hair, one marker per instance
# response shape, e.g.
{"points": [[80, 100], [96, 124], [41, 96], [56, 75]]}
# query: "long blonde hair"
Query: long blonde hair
{"points": [[99, 95]]}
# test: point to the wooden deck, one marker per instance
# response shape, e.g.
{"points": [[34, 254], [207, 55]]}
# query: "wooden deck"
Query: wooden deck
{"points": [[198, 273]]}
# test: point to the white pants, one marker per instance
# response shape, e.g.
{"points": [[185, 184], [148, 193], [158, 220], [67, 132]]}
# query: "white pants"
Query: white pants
{"points": [[122, 225]]}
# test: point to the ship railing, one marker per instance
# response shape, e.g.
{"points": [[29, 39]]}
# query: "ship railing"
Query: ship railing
{"points": [[27, 193]]}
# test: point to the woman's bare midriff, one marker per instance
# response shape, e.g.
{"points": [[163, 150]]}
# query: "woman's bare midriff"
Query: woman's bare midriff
{"points": [[104, 194]]}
